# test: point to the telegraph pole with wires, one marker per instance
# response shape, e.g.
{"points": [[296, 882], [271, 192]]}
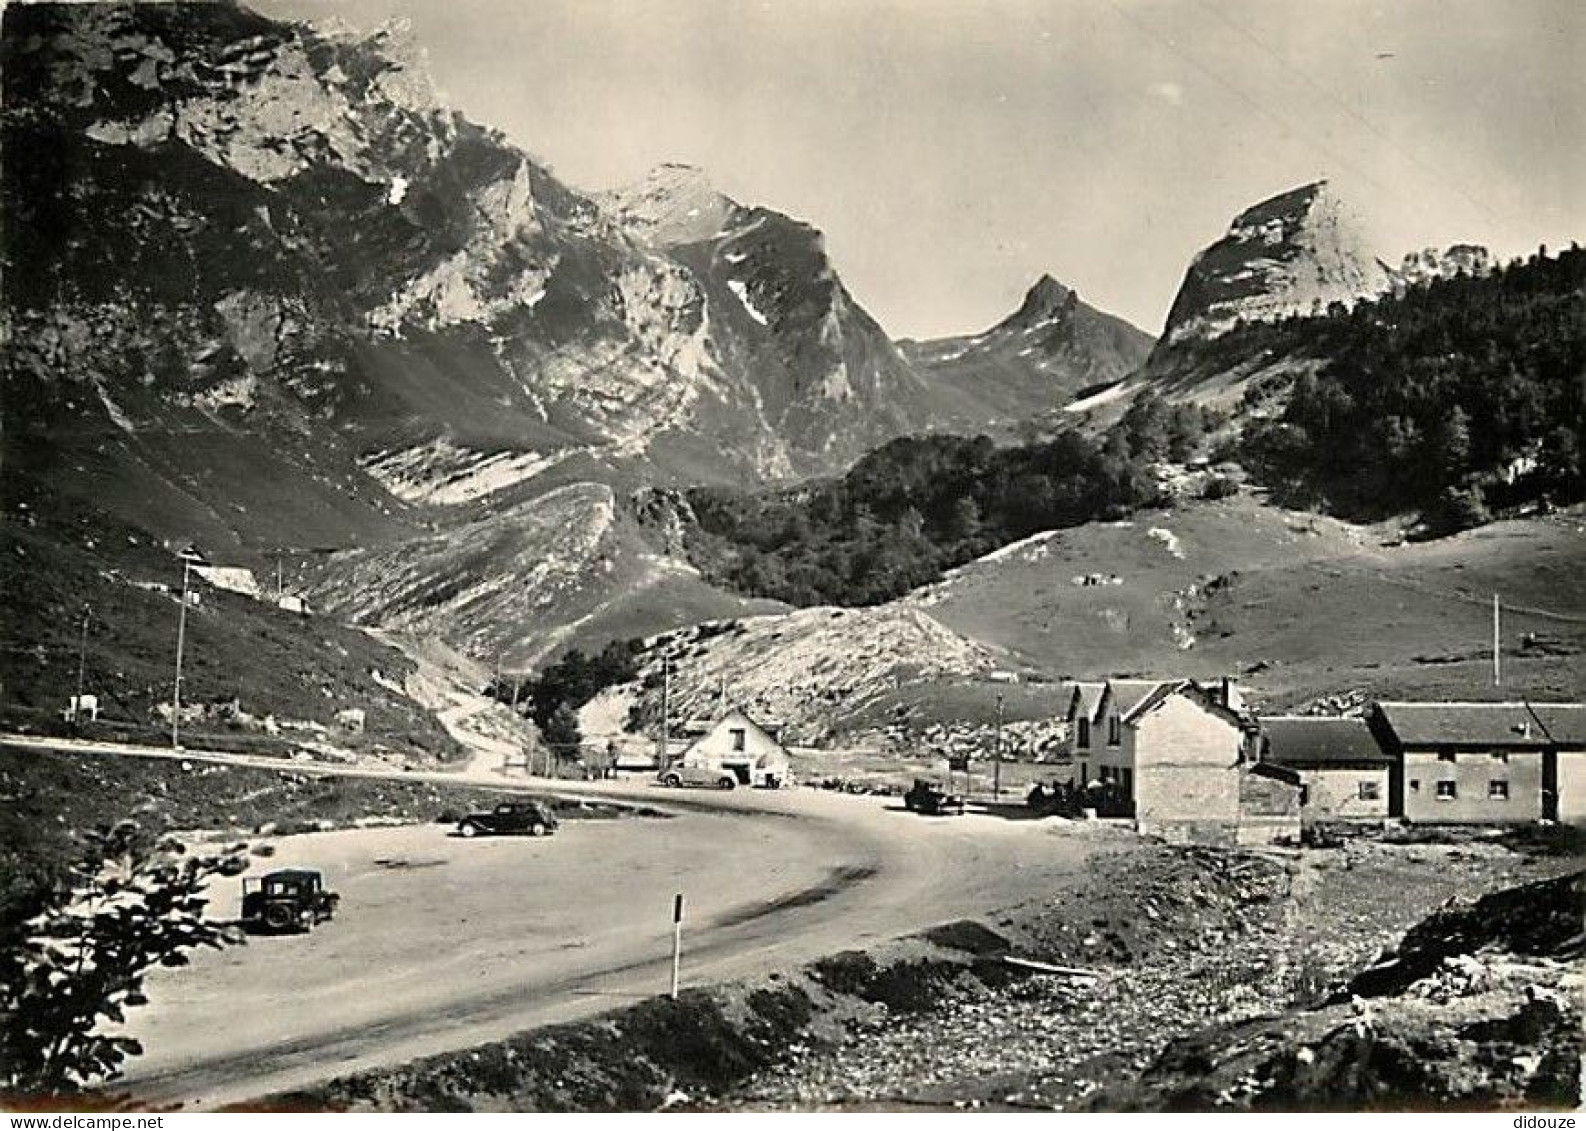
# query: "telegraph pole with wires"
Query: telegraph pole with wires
{"points": [[996, 755], [82, 662], [190, 557], [1497, 645], [662, 743]]}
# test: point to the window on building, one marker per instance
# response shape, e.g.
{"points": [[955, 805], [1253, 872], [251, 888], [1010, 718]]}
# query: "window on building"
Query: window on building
{"points": [[1498, 789], [1447, 790], [1501, 755], [1415, 785], [1114, 731], [1445, 756], [1126, 779], [1369, 791], [740, 738], [1084, 734]]}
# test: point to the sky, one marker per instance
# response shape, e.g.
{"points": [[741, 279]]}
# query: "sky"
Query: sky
{"points": [[955, 150]]}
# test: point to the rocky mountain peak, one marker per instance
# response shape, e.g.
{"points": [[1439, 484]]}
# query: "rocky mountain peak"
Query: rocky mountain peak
{"points": [[1294, 253], [672, 204], [1046, 299]]}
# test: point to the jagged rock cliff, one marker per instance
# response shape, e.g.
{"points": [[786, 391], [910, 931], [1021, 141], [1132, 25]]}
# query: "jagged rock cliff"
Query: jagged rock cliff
{"points": [[1295, 253], [1039, 357], [233, 225]]}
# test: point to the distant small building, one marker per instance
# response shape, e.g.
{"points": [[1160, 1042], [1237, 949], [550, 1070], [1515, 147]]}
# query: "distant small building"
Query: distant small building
{"points": [[1345, 771], [351, 720], [80, 707], [752, 752], [292, 603], [233, 578], [1468, 763]]}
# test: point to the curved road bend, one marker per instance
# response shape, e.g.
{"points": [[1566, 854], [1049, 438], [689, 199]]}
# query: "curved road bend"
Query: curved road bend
{"points": [[443, 943]]}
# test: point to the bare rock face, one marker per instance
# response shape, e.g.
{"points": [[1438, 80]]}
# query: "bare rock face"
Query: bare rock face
{"points": [[809, 670], [226, 196], [674, 204], [1035, 360], [1297, 253], [1428, 264]]}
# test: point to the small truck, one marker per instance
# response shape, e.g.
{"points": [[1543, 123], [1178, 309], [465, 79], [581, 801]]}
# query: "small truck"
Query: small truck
{"points": [[509, 817], [929, 799], [293, 899]]}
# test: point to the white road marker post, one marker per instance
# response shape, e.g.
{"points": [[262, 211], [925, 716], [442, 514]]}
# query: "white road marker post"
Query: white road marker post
{"points": [[677, 940]]}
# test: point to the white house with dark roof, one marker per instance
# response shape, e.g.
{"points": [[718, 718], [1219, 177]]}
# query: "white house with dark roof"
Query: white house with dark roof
{"points": [[1481, 763], [749, 750], [1173, 749]]}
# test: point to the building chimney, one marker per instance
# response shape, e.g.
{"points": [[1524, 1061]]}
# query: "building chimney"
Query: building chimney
{"points": [[1230, 694]]}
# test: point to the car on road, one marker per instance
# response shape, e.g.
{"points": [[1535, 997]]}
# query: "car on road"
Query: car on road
{"points": [[293, 899], [679, 775], [510, 817], [930, 800]]}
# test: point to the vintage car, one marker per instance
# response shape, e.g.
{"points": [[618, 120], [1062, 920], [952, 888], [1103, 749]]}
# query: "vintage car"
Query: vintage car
{"points": [[718, 777], [930, 800], [293, 899], [510, 817]]}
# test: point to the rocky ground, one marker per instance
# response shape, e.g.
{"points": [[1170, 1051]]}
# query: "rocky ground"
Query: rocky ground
{"points": [[1177, 939]]}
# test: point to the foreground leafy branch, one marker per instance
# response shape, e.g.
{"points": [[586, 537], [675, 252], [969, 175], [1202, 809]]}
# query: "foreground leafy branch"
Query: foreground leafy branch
{"points": [[127, 905]]}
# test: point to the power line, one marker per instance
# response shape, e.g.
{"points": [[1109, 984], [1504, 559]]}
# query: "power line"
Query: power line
{"points": [[1343, 105], [1290, 130]]}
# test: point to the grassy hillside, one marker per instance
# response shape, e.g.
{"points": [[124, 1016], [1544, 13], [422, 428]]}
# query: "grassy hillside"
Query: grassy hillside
{"points": [[1297, 604], [270, 661], [522, 583]]}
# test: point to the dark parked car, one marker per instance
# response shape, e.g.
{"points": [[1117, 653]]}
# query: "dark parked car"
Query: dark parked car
{"points": [[931, 800], [293, 899], [510, 817]]}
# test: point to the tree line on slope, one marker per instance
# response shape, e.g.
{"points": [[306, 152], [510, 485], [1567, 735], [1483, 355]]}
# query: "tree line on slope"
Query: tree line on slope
{"points": [[553, 696], [920, 505], [1450, 399]]}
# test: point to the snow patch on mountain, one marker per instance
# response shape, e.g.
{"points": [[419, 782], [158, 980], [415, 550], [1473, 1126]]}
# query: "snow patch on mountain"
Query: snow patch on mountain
{"points": [[741, 289], [440, 473]]}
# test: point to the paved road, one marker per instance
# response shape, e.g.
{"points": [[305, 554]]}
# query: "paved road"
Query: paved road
{"points": [[444, 943]]}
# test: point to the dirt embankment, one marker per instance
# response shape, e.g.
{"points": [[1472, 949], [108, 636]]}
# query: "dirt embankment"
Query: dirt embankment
{"points": [[1479, 1009], [662, 1053]]}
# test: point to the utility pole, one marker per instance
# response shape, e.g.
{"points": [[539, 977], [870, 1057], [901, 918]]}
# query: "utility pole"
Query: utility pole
{"points": [[1497, 661], [82, 659], [996, 756], [189, 557], [662, 746]]}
